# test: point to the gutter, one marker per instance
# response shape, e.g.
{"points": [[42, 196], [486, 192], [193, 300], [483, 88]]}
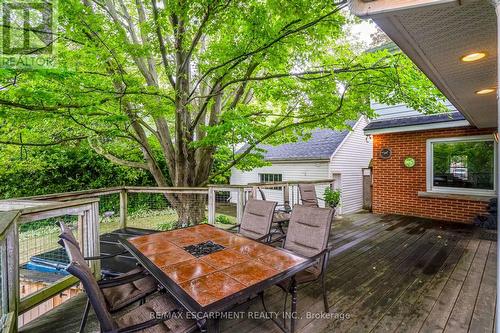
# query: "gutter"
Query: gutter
{"points": [[301, 160], [415, 128]]}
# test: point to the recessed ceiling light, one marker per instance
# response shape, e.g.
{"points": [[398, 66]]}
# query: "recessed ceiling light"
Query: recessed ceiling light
{"points": [[473, 56], [485, 91]]}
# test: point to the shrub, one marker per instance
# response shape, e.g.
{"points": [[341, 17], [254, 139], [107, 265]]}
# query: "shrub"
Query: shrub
{"points": [[223, 219], [332, 197]]}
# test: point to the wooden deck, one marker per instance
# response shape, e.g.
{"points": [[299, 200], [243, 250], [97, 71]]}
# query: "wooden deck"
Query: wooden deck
{"points": [[387, 274]]}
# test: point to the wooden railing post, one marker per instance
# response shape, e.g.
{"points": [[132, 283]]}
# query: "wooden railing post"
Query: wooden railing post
{"points": [[12, 262], [92, 244], [240, 204], [286, 194], [123, 208], [211, 205]]}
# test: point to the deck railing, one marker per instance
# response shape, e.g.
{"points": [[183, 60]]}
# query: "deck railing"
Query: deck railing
{"points": [[27, 226]]}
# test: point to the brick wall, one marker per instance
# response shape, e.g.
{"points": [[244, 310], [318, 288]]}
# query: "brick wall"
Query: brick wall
{"points": [[395, 187]]}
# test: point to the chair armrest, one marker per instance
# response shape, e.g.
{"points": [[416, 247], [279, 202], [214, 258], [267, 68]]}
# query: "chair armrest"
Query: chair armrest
{"points": [[234, 229], [261, 239], [280, 238], [106, 256], [120, 280], [322, 253]]}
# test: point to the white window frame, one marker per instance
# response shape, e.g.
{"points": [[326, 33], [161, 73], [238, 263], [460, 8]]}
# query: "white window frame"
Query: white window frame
{"points": [[454, 190], [270, 174], [278, 188]]}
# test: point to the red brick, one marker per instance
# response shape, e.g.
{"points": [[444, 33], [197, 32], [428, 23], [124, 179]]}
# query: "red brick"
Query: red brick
{"points": [[395, 188]]}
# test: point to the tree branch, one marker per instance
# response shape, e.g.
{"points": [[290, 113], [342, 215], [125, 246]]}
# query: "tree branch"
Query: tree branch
{"points": [[272, 132], [51, 108], [163, 49], [112, 158], [48, 144], [285, 34]]}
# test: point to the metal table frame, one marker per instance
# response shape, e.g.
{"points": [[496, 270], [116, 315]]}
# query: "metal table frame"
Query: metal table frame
{"points": [[224, 304]]}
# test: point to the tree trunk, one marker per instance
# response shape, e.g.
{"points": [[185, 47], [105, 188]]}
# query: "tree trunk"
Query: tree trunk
{"points": [[191, 209]]}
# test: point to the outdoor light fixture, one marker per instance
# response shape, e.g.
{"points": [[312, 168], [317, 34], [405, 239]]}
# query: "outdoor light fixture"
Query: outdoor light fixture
{"points": [[473, 56], [485, 91], [495, 136]]}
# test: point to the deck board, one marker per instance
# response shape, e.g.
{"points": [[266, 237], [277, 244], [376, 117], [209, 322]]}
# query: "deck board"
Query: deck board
{"points": [[388, 273]]}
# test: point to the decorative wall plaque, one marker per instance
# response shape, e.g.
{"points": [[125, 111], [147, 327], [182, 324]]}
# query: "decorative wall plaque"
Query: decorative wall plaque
{"points": [[409, 162], [386, 153]]}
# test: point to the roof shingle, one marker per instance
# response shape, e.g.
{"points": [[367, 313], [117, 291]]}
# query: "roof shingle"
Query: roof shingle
{"points": [[416, 120], [320, 146]]}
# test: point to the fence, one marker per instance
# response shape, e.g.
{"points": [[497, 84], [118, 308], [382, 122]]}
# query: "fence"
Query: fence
{"points": [[28, 230], [18, 217]]}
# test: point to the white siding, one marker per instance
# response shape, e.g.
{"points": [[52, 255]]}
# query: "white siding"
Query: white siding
{"points": [[384, 111], [355, 154], [290, 171]]}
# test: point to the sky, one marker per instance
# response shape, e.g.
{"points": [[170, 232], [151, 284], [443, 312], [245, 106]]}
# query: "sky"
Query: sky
{"points": [[362, 31]]}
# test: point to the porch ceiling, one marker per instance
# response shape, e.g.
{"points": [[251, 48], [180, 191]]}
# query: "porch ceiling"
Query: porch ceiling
{"points": [[435, 35]]}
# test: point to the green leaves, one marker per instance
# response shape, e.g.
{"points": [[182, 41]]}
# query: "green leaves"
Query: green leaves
{"points": [[217, 73]]}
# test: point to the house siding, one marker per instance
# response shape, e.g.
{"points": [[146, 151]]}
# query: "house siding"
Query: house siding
{"points": [[354, 155], [395, 187], [291, 171]]}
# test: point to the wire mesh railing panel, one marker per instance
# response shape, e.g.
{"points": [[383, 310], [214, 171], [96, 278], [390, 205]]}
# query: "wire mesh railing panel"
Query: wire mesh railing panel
{"points": [[109, 205], [226, 202], [166, 211], [109, 213], [41, 259]]}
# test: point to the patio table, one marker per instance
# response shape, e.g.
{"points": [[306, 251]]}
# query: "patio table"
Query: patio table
{"points": [[209, 284]]}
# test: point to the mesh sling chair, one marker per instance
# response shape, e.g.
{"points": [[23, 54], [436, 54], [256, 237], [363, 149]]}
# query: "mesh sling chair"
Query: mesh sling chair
{"points": [[67, 234], [161, 308], [308, 195], [281, 214], [257, 219], [118, 292], [307, 235]]}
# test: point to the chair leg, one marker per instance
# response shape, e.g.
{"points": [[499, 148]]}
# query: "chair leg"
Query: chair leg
{"points": [[284, 309], [293, 314], [325, 296], [280, 226], [282, 328], [85, 315]]}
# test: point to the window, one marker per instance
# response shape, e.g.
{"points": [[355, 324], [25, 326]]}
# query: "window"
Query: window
{"points": [[461, 165], [271, 178]]}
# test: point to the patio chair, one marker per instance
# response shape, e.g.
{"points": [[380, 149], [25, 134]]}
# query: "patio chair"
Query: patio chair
{"points": [[308, 195], [67, 234], [257, 218], [118, 292], [281, 214], [161, 308], [307, 235]]}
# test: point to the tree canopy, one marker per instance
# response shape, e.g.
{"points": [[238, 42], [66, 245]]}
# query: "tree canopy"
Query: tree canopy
{"points": [[171, 86]]}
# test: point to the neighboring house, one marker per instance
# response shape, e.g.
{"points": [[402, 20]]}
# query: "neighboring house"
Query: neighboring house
{"points": [[336, 155], [437, 166]]}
